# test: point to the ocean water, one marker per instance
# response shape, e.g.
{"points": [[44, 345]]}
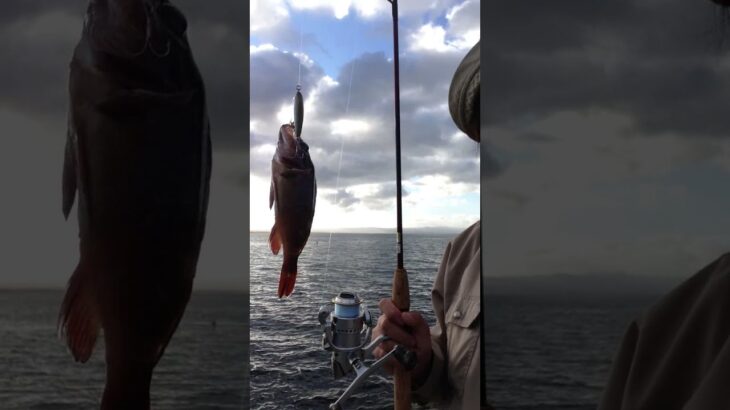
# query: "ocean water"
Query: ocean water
{"points": [[204, 366], [550, 352], [289, 368]]}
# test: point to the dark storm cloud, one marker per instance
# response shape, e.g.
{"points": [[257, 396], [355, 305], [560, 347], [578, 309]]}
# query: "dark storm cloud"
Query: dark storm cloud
{"points": [[579, 56], [490, 166], [274, 76], [515, 198], [35, 52], [535, 136], [610, 118], [428, 142], [39, 37], [343, 198]]}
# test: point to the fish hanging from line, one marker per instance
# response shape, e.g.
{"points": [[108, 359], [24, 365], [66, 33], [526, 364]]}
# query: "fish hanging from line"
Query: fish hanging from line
{"points": [[138, 153], [294, 194]]}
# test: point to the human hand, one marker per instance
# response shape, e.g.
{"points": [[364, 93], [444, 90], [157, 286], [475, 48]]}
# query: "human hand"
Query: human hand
{"points": [[408, 329]]}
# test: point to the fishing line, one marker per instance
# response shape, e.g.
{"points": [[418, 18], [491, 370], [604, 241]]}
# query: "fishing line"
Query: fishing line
{"points": [[301, 40], [339, 163]]}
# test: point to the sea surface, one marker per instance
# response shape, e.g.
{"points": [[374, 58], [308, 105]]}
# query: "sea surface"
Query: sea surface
{"points": [[542, 352], [204, 366], [554, 352], [289, 368]]}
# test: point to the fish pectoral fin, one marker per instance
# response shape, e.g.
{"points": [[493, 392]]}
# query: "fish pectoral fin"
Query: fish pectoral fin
{"points": [[69, 172], [78, 322], [272, 194], [275, 240]]}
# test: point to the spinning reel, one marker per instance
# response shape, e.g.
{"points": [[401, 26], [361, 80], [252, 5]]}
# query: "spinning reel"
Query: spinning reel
{"points": [[347, 327]]}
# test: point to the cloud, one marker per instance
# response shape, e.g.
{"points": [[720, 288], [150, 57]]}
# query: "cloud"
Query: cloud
{"points": [[349, 122], [39, 39], [430, 38], [366, 131], [343, 198], [601, 200], [369, 9], [267, 14], [611, 132], [339, 9], [273, 77], [36, 55], [253, 49], [580, 57], [460, 35]]}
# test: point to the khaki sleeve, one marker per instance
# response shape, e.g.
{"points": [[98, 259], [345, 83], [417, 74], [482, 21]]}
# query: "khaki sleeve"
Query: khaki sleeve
{"points": [[435, 387]]}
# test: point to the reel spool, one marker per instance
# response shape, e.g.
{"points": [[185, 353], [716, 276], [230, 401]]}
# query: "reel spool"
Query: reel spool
{"points": [[347, 327]]}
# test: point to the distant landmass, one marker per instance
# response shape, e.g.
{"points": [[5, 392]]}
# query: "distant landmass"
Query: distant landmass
{"points": [[599, 284], [406, 231]]}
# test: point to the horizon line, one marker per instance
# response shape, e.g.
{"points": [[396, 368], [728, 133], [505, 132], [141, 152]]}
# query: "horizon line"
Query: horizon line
{"points": [[51, 288]]}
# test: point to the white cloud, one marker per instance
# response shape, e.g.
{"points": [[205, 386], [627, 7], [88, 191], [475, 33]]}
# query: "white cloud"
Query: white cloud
{"points": [[434, 187], [285, 114], [253, 49], [430, 37], [371, 8], [261, 218], [461, 33], [267, 14], [304, 59], [350, 127], [341, 8]]}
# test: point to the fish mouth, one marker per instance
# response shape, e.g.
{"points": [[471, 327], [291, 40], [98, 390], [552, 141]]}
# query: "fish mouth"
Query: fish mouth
{"points": [[288, 141], [287, 134]]}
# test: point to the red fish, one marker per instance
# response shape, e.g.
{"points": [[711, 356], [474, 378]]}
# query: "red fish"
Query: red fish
{"points": [[138, 153], [294, 191]]}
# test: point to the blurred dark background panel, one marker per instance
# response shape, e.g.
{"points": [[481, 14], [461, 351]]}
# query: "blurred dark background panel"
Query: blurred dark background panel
{"points": [[607, 127]]}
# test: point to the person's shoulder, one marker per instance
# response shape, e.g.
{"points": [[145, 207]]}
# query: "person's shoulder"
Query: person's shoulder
{"points": [[471, 237]]}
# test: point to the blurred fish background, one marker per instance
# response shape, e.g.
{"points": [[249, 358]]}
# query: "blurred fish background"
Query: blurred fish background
{"points": [[205, 365], [609, 125]]}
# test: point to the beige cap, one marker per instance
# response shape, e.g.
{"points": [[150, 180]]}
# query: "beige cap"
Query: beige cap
{"points": [[464, 94]]}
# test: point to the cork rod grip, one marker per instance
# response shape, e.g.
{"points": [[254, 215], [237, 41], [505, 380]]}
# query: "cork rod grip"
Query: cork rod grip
{"points": [[401, 377]]}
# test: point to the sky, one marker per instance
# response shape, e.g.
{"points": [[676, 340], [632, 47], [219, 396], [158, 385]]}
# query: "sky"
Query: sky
{"points": [[342, 51], [40, 248], [608, 126]]}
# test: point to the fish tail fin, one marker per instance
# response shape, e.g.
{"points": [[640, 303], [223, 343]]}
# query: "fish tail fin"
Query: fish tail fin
{"points": [[275, 240], [78, 321], [288, 276]]}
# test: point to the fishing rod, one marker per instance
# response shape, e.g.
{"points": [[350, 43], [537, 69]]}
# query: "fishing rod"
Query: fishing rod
{"points": [[346, 322], [400, 292]]}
